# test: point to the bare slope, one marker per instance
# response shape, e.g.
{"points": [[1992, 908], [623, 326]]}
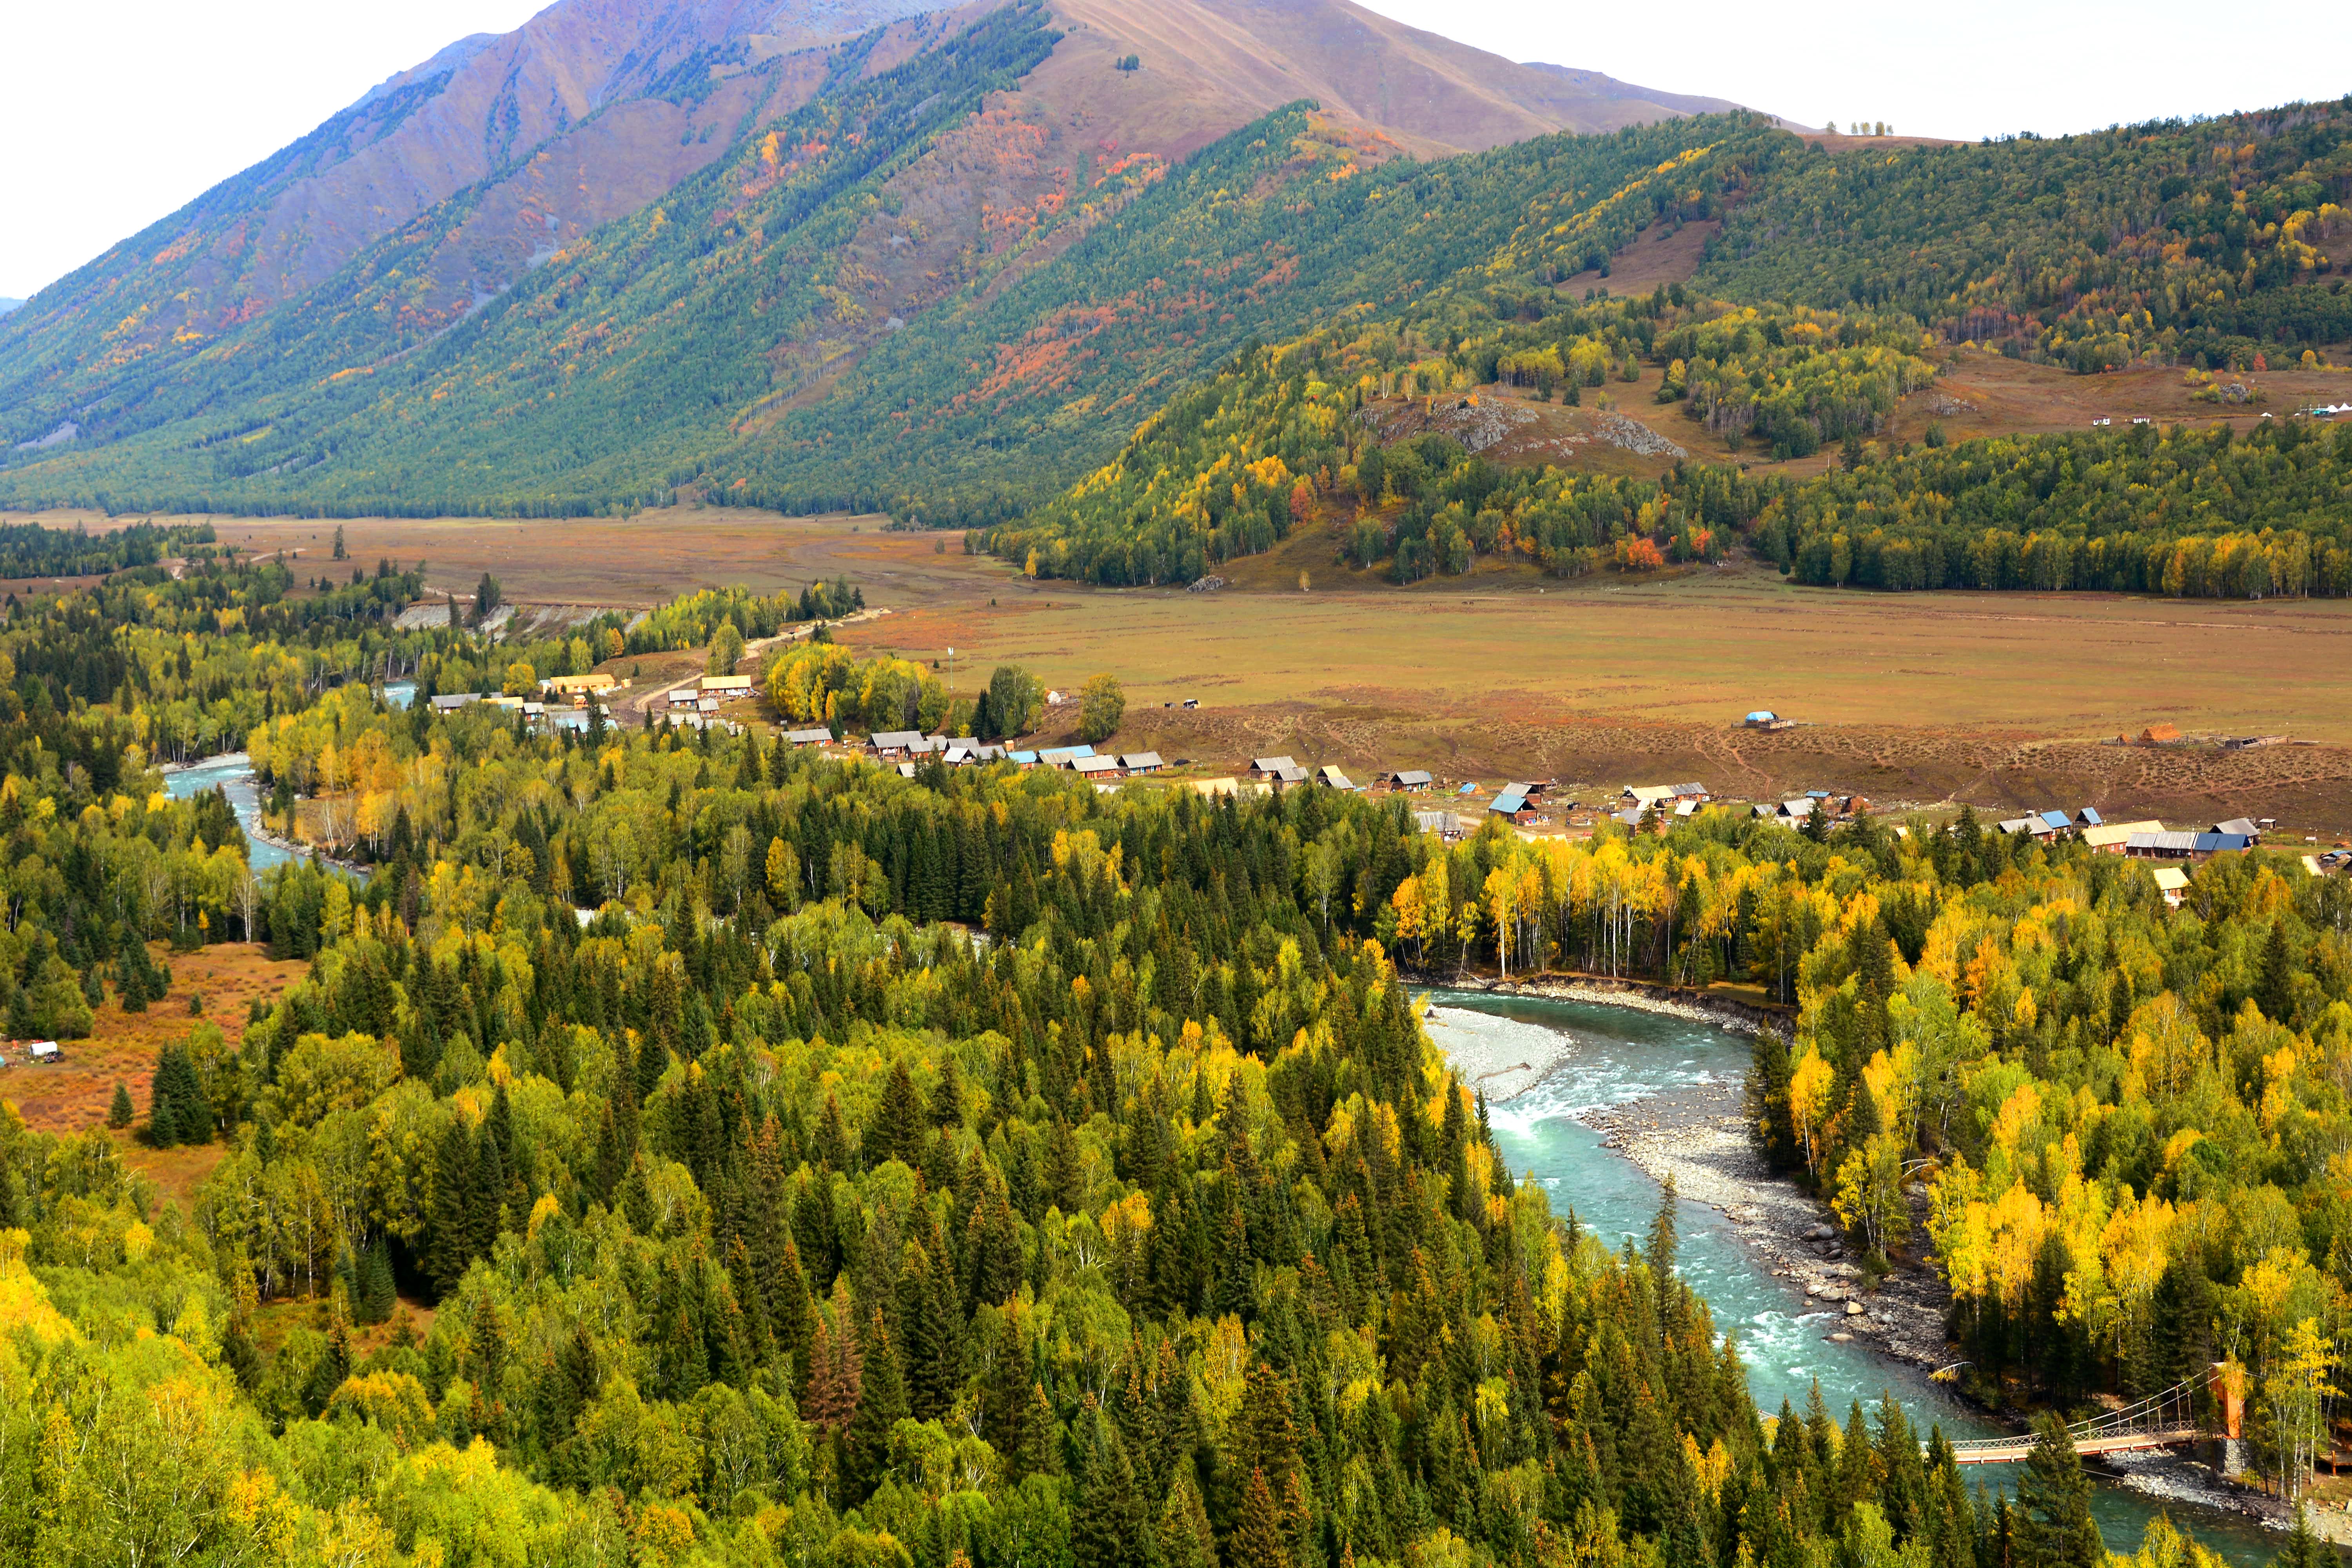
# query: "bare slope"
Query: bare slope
{"points": [[587, 111], [1226, 62], [514, 146]]}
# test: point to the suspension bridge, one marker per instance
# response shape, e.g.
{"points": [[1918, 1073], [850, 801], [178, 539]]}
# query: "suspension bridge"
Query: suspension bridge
{"points": [[2159, 1421]]}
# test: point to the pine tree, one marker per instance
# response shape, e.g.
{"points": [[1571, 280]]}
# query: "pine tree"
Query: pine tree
{"points": [[1186, 1540], [1004, 1406], [1259, 1539], [835, 1377], [833, 1139], [947, 1094], [118, 1113], [881, 1405], [2303, 1548], [445, 1237], [1265, 1436], [374, 1299], [1109, 1527], [897, 1131], [1663, 1244], [2052, 1524], [2275, 992], [177, 1111]]}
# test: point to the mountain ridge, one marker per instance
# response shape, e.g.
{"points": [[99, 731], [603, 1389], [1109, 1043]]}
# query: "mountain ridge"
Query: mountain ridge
{"points": [[595, 108]]}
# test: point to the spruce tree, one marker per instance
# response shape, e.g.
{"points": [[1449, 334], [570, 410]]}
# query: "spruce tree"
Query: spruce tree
{"points": [[177, 1111], [1259, 1539], [881, 1405], [374, 1299], [2052, 1524], [897, 1131], [118, 1113], [2303, 1548], [1109, 1527], [1663, 1244], [2275, 991]]}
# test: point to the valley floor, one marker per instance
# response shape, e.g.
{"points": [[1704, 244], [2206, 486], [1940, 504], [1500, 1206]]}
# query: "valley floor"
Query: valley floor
{"points": [[1918, 700]]}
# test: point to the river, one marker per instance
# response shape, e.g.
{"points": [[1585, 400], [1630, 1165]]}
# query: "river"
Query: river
{"points": [[1620, 1055], [233, 773]]}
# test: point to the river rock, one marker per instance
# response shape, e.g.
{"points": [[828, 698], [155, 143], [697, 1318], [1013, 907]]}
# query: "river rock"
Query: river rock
{"points": [[1853, 1308], [1820, 1232]]}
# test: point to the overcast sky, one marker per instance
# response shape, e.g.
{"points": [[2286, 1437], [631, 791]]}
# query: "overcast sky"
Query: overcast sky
{"points": [[1966, 70], [112, 115]]}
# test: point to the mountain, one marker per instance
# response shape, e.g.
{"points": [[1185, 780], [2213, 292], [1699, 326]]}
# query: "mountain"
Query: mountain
{"points": [[401, 232], [8, 305]]}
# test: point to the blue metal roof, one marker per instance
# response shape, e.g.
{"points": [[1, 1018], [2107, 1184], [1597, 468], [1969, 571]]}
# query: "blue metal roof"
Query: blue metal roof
{"points": [[1468, 789], [2056, 818], [1762, 716], [1510, 804]]}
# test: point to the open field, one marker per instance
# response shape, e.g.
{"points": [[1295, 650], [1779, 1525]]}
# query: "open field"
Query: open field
{"points": [[72, 1095], [2004, 700]]}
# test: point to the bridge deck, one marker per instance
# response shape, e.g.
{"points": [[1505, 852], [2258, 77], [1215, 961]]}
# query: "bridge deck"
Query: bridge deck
{"points": [[2010, 1451]]}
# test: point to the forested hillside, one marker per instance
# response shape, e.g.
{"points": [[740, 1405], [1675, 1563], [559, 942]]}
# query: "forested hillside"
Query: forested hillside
{"points": [[622, 369], [2125, 1114], [978, 1168], [2184, 513], [784, 327], [1283, 437], [2215, 242], [584, 384]]}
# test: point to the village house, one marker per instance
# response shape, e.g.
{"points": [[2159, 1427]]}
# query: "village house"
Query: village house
{"points": [[1332, 778], [2172, 881], [727, 685], [1096, 768], [890, 744], [1135, 764], [1663, 796], [450, 701], [2184, 846], [1446, 825], [1404, 781], [817, 736], [2109, 837], [1513, 805], [1279, 771], [1063, 756], [2243, 827], [580, 688]]}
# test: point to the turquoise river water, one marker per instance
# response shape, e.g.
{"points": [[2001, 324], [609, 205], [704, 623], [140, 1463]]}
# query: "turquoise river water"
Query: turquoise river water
{"points": [[1618, 1055]]}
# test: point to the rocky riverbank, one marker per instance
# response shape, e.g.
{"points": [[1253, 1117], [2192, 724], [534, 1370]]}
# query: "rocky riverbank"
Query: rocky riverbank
{"points": [[1701, 1135], [1698, 1006]]}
